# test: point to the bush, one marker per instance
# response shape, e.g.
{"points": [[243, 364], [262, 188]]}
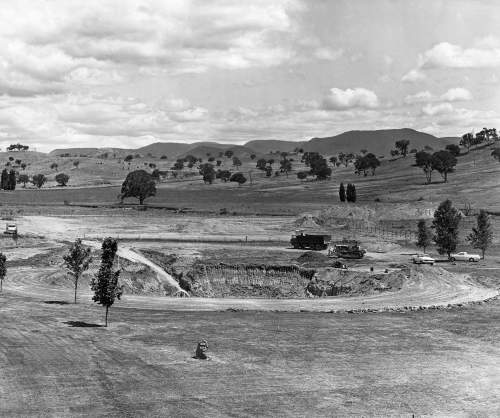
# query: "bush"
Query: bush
{"points": [[62, 179]]}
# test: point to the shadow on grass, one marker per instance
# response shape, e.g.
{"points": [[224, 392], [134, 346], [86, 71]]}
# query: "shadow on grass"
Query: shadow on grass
{"points": [[81, 324], [56, 302]]}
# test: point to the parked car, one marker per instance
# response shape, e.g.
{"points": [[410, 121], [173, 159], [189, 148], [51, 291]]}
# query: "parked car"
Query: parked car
{"points": [[423, 259], [465, 256]]}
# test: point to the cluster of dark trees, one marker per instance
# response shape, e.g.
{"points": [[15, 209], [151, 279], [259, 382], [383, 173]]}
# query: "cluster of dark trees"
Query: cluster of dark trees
{"points": [[443, 162], [347, 193], [486, 135], [366, 162], [444, 231], [317, 164], [18, 147], [8, 180]]}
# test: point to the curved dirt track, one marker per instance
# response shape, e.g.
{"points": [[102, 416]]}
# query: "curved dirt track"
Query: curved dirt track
{"points": [[426, 287]]}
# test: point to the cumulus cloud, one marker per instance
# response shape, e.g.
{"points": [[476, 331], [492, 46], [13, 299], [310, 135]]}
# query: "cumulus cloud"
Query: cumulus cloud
{"points": [[421, 96], [457, 94], [447, 55], [413, 76], [338, 99], [327, 54], [437, 109]]}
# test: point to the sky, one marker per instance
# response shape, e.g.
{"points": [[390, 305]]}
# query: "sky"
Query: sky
{"points": [[126, 73]]}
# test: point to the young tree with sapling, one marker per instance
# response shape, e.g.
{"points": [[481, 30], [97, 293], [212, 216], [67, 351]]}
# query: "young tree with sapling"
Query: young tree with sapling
{"points": [[481, 236], [39, 180], [62, 179], [446, 223], [3, 269], [425, 235], [77, 261], [342, 192], [105, 285]]}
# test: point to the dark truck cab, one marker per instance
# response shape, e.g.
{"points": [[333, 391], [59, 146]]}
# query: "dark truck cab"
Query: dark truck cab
{"points": [[310, 241]]}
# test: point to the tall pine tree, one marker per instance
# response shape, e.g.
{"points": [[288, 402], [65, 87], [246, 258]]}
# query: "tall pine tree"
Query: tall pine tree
{"points": [[342, 192], [446, 222], [481, 236], [105, 285], [424, 235]]}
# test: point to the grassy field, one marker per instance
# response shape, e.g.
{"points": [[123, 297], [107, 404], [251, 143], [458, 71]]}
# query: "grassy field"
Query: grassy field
{"points": [[57, 362]]}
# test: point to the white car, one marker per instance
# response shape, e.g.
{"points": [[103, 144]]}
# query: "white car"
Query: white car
{"points": [[465, 256], [423, 259]]}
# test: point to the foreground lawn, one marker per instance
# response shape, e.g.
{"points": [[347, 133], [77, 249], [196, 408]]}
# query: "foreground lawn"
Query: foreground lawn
{"points": [[55, 362]]}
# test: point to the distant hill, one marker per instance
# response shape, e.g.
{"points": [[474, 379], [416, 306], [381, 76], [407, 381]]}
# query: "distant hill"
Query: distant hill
{"points": [[91, 152], [265, 146], [214, 149], [379, 142], [170, 149]]}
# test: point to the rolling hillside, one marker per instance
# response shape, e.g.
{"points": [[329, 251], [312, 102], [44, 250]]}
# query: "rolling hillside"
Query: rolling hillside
{"points": [[265, 146], [379, 142]]}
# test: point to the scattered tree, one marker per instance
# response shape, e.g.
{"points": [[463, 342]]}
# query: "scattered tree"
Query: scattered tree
{"points": [[285, 166], [76, 163], [139, 184], [178, 165], [446, 222], [208, 173], [261, 164], [163, 157], [224, 175], [402, 147], [444, 162], [23, 178], [23, 166], [496, 154], [77, 261], [53, 166], [228, 153], [467, 141], [424, 235], [62, 179], [252, 157], [238, 178], [453, 149], [39, 180], [301, 175], [394, 152], [342, 195], [351, 193], [3, 269], [481, 236], [236, 162], [424, 161], [128, 158], [105, 285]]}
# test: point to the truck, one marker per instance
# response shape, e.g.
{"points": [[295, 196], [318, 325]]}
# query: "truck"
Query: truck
{"points": [[10, 229], [346, 249], [315, 242]]}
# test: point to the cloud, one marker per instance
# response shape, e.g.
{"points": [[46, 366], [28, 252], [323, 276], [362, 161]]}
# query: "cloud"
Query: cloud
{"points": [[447, 55], [328, 54], [437, 109], [422, 96], [338, 99], [456, 94], [413, 76]]}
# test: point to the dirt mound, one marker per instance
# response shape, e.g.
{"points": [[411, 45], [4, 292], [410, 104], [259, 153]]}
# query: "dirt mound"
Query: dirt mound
{"points": [[314, 259], [349, 283], [308, 221]]}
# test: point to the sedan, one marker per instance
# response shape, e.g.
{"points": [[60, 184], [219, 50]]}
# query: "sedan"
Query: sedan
{"points": [[423, 259], [465, 256]]}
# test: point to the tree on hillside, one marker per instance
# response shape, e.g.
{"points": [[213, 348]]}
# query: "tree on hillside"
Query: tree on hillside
{"points": [[402, 146], [342, 192], [236, 162], [138, 184], [12, 180], [424, 235], [105, 285], [3, 269], [62, 179], [496, 154], [366, 162], [252, 157], [285, 166], [39, 180], [224, 175], [363, 151], [208, 173], [218, 163], [228, 153], [333, 160], [444, 162], [467, 141], [24, 178], [4, 179], [238, 178], [301, 175], [77, 261], [128, 158], [178, 165], [23, 166], [54, 166], [76, 163], [446, 222], [481, 236], [424, 161], [269, 171], [261, 164], [453, 149], [394, 152]]}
